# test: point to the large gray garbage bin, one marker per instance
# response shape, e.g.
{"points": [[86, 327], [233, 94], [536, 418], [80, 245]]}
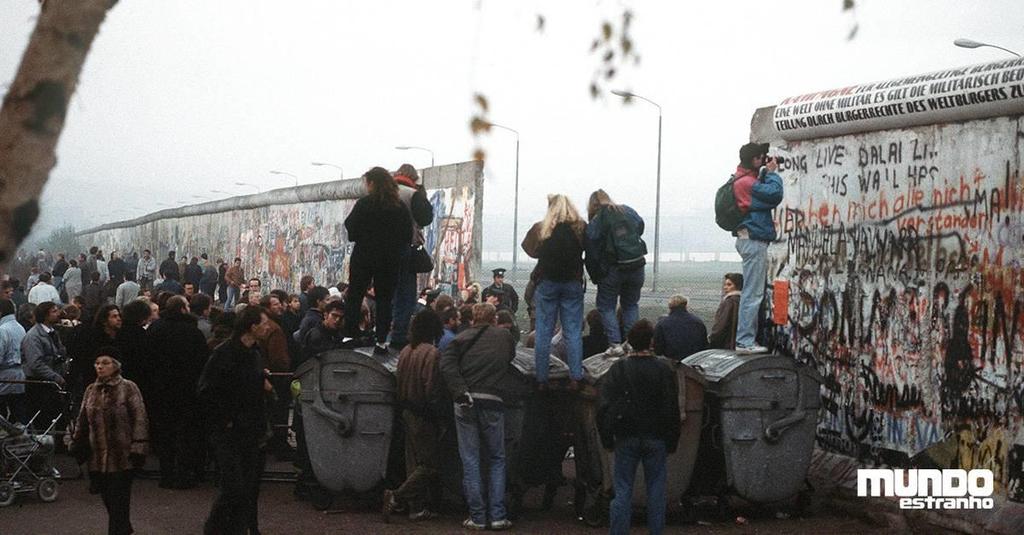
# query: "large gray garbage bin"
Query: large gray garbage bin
{"points": [[348, 409], [767, 413]]}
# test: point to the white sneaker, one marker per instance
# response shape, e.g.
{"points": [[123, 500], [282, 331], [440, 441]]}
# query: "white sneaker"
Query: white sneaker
{"points": [[501, 525], [751, 350]]}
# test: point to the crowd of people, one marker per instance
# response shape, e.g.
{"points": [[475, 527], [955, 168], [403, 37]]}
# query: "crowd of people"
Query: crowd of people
{"points": [[180, 355]]}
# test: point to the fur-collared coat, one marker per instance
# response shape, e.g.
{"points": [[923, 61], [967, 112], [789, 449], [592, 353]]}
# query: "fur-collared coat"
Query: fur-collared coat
{"points": [[113, 421]]}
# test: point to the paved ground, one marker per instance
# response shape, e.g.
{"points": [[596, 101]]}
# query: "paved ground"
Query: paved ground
{"points": [[157, 511]]}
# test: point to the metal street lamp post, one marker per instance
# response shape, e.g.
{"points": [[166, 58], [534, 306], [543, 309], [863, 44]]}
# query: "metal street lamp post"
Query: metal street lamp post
{"points": [[968, 43], [341, 172], [258, 190], [515, 209], [657, 197], [286, 174], [411, 147]]}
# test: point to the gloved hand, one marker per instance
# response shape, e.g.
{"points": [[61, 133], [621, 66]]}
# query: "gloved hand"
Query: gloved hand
{"points": [[464, 400], [138, 460], [80, 451]]}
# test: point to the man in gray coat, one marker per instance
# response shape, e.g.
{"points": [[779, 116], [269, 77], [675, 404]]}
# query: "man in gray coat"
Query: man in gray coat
{"points": [[477, 369], [41, 356]]}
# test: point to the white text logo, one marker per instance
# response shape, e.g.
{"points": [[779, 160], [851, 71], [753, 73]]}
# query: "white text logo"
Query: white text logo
{"points": [[929, 488]]}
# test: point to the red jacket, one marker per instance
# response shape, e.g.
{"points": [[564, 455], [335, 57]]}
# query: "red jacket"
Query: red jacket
{"points": [[745, 179]]}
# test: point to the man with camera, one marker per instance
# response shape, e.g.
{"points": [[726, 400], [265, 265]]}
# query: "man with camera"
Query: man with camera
{"points": [[758, 190]]}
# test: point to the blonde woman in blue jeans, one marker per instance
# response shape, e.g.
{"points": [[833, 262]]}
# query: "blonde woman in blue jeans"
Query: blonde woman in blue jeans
{"points": [[557, 242]]}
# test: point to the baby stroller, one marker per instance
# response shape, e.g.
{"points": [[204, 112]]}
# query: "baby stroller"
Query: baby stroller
{"points": [[26, 462]]}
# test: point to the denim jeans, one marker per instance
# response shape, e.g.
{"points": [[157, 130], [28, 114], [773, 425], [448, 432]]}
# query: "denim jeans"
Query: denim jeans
{"points": [[623, 286], [404, 301], [561, 301], [232, 299], [482, 432], [755, 272], [629, 452]]}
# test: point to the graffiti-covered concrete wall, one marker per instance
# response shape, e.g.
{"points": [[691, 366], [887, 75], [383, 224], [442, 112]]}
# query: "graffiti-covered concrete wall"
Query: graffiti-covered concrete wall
{"points": [[284, 234], [898, 274]]}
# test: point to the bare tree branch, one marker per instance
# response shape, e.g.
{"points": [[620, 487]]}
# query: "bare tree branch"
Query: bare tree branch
{"points": [[34, 108]]}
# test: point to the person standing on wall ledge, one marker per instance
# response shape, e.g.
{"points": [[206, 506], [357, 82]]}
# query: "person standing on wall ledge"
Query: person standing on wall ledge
{"points": [[758, 190]]}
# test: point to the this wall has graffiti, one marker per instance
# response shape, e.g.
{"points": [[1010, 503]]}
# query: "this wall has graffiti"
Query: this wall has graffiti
{"points": [[285, 234], [901, 253]]}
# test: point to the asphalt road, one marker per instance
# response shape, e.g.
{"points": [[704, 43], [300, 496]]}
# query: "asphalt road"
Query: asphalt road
{"points": [[159, 511]]}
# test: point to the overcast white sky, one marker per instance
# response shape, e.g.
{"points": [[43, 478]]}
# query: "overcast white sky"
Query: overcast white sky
{"points": [[178, 98]]}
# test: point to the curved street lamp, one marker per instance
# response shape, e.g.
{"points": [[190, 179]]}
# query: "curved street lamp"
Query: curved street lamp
{"points": [[969, 43], [657, 196], [411, 147], [258, 190], [515, 209], [341, 172], [286, 174]]}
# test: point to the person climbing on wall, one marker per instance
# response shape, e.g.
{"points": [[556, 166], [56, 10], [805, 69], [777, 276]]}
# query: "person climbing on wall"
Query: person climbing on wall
{"points": [[758, 190]]}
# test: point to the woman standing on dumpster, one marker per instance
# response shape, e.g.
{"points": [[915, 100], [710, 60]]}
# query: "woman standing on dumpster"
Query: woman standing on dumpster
{"points": [[557, 243], [381, 227], [112, 437]]}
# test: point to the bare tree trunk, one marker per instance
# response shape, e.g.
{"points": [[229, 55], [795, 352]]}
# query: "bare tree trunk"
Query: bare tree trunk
{"points": [[34, 108]]}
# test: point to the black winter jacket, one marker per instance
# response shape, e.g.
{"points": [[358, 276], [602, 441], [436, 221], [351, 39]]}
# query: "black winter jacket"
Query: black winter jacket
{"points": [[560, 256], [381, 233], [657, 396], [679, 335], [317, 340], [179, 352], [231, 391]]}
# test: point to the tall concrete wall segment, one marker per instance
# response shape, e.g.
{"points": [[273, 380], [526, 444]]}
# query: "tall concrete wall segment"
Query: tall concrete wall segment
{"points": [[898, 273], [284, 234]]}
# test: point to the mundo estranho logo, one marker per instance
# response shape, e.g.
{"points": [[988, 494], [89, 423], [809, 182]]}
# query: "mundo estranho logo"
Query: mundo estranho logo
{"points": [[929, 488]]}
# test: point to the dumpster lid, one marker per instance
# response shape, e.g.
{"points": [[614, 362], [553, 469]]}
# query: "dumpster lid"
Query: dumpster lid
{"points": [[716, 364], [597, 365], [526, 363], [362, 355]]}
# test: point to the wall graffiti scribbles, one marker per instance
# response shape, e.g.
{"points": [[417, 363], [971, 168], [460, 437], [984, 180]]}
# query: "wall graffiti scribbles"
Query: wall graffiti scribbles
{"points": [[903, 252], [281, 242]]}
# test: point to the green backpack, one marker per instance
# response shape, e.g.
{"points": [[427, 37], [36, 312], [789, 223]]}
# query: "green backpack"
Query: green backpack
{"points": [[622, 238], [727, 213]]}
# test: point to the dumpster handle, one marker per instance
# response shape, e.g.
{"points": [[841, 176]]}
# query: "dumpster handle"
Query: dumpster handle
{"points": [[773, 432], [344, 425]]}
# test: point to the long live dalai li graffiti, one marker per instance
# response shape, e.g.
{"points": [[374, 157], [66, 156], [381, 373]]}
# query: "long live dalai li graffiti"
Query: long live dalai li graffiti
{"points": [[285, 234], [900, 262]]}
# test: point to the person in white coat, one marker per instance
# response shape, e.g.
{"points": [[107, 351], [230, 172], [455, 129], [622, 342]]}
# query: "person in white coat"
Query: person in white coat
{"points": [[44, 291]]}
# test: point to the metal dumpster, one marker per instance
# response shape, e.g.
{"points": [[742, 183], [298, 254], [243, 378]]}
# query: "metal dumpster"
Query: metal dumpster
{"points": [[348, 408], [680, 464], [766, 406]]}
